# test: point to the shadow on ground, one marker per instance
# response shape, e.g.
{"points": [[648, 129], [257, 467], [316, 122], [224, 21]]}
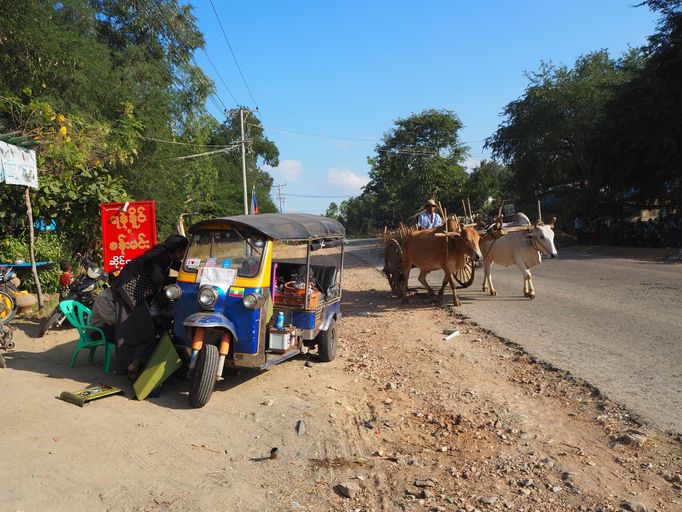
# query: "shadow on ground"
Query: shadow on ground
{"points": [[53, 362]]}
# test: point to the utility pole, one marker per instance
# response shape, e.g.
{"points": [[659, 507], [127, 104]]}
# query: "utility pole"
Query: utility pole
{"points": [[280, 197], [241, 118], [243, 143]]}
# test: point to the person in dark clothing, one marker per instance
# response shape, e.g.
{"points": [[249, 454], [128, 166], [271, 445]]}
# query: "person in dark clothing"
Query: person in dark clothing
{"points": [[134, 290]]}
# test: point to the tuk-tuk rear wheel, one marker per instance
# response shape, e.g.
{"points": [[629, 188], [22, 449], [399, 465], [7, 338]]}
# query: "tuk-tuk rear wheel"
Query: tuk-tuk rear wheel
{"points": [[204, 378], [326, 343]]}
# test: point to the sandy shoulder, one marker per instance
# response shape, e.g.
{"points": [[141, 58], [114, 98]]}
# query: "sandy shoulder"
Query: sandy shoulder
{"points": [[402, 419]]}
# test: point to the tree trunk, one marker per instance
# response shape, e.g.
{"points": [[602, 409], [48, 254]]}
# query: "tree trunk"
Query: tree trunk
{"points": [[34, 270]]}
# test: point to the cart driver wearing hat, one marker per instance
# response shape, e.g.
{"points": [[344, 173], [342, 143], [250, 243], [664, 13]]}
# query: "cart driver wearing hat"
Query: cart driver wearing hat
{"points": [[429, 218]]}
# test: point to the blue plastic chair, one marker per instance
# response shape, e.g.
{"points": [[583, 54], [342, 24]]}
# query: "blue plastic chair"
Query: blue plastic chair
{"points": [[78, 315]]}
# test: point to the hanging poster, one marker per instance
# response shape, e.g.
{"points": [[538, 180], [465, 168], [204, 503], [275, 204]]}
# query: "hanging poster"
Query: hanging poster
{"points": [[18, 166], [128, 231]]}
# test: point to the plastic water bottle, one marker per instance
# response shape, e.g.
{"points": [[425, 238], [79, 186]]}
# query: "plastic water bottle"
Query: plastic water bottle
{"points": [[279, 321]]}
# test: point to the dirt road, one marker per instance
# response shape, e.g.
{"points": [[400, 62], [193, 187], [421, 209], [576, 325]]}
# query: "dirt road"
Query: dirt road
{"points": [[401, 420], [612, 321]]}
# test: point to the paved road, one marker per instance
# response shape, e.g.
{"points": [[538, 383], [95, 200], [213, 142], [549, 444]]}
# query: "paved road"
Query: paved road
{"points": [[616, 323]]}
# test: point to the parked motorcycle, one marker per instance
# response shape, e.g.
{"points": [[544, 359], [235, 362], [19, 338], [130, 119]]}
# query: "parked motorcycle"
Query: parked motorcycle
{"points": [[8, 308], [8, 305], [81, 290]]}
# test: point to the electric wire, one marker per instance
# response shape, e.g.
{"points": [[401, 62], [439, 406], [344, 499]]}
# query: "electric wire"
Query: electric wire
{"points": [[317, 197], [207, 153], [220, 76], [179, 143], [291, 132], [361, 139], [170, 28], [177, 79], [232, 53]]}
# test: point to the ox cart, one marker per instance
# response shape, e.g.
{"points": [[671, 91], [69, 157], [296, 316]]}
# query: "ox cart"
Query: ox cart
{"points": [[393, 252]]}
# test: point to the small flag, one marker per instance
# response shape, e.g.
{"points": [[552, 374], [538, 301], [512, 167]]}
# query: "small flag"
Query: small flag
{"points": [[254, 204]]}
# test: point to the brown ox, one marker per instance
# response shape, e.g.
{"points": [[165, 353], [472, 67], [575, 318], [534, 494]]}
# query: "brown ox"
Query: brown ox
{"points": [[428, 252]]}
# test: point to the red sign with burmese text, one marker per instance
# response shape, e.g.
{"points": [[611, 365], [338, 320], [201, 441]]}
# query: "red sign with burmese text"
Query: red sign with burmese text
{"points": [[128, 230]]}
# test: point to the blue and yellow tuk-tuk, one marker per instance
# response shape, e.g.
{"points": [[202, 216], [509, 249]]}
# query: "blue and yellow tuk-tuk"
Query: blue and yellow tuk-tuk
{"points": [[256, 290]]}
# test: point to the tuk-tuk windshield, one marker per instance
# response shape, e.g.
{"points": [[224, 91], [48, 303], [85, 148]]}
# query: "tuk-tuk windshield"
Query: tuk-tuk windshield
{"points": [[225, 249]]}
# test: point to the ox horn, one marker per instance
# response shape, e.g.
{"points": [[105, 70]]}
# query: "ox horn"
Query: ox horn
{"points": [[552, 222]]}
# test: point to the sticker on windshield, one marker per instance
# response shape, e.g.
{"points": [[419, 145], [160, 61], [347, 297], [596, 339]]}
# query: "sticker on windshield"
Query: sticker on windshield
{"points": [[211, 262], [192, 262], [226, 263]]}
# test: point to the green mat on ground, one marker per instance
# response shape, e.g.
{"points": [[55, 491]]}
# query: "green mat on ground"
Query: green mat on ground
{"points": [[92, 392], [161, 365]]}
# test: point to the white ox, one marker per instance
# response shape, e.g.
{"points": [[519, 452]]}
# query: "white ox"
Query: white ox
{"points": [[521, 248]]}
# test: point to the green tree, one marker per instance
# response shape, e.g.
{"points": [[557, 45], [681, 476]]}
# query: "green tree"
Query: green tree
{"points": [[119, 78], [552, 134], [333, 211], [74, 160], [358, 215], [260, 151], [421, 157], [487, 186], [643, 137]]}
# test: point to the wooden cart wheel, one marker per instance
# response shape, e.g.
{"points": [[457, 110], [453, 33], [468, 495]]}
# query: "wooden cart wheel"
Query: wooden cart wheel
{"points": [[393, 266], [465, 275]]}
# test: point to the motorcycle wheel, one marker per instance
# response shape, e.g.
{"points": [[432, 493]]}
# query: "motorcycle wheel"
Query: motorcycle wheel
{"points": [[52, 320], [8, 307], [204, 378]]}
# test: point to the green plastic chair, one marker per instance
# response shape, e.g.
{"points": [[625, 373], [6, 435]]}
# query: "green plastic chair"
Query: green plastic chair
{"points": [[78, 315]]}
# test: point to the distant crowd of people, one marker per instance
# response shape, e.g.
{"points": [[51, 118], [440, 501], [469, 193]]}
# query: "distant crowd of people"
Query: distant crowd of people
{"points": [[659, 232]]}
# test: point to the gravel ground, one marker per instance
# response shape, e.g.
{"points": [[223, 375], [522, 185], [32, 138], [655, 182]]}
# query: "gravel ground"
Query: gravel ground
{"points": [[401, 420]]}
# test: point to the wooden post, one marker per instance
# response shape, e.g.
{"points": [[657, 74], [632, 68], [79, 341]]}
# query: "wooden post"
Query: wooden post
{"points": [[34, 270]]}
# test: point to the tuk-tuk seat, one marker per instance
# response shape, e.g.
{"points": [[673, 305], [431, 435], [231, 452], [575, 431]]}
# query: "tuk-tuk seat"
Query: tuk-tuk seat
{"points": [[324, 275]]}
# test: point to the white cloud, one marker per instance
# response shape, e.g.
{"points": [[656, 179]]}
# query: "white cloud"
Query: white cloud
{"points": [[346, 180], [470, 164], [287, 170]]}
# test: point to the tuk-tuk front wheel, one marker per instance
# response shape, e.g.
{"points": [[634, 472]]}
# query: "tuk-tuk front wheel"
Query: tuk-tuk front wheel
{"points": [[204, 378], [326, 342]]}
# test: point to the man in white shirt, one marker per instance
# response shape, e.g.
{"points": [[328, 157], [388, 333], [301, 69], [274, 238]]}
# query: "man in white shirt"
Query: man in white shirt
{"points": [[429, 218]]}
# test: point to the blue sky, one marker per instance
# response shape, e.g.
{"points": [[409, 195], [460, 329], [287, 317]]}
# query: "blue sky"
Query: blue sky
{"points": [[330, 78]]}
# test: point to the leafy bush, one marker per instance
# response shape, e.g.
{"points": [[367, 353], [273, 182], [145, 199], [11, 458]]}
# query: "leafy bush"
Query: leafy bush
{"points": [[48, 247]]}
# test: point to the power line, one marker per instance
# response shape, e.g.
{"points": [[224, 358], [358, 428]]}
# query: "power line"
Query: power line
{"points": [[206, 153], [220, 77], [291, 132], [362, 139], [178, 143], [233, 55], [319, 197], [189, 53]]}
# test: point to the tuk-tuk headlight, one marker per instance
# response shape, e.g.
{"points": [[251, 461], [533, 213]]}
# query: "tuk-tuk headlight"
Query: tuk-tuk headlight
{"points": [[172, 292], [207, 297], [253, 300]]}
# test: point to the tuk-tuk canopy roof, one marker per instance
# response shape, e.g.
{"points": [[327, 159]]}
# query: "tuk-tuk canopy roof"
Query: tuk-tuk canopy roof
{"points": [[283, 226]]}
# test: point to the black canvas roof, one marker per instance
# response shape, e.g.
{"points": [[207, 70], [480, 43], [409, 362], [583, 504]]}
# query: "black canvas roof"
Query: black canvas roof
{"points": [[283, 226]]}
